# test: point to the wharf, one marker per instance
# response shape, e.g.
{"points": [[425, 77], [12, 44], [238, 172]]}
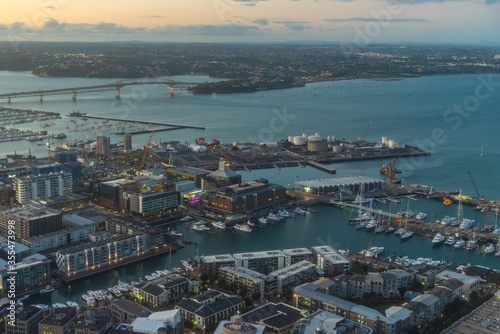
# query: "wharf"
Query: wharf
{"points": [[107, 267], [174, 126], [321, 167]]}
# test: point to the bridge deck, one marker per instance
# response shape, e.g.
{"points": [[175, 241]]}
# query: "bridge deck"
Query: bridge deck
{"points": [[174, 126]]}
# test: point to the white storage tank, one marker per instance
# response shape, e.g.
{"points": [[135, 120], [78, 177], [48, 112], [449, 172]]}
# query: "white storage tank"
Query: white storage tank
{"points": [[337, 149], [314, 138], [400, 145], [290, 139], [299, 140], [384, 140], [391, 144]]}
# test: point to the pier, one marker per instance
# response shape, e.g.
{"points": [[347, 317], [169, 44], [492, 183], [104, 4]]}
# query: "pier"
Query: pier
{"points": [[322, 167]]}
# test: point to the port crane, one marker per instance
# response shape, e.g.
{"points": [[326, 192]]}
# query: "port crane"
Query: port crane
{"points": [[142, 161], [389, 170], [366, 131], [475, 186]]}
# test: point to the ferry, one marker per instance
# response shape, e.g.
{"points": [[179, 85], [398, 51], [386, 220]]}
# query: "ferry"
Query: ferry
{"points": [[460, 244], [243, 228], [438, 239]]}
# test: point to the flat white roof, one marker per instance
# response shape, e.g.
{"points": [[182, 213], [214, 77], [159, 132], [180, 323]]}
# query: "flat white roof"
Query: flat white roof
{"points": [[335, 182], [293, 269], [259, 255], [323, 250], [217, 258], [461, 277], [297, 251]]}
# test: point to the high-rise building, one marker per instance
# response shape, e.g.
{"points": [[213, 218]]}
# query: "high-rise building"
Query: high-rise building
{"points": [[127, 142], [103, 144], [43, 186], [26, 321]]}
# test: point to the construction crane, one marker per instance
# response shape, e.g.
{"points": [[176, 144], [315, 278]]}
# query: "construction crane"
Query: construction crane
{"points": [[475, 186], [366, 131], [48, 149], [142, 161]]}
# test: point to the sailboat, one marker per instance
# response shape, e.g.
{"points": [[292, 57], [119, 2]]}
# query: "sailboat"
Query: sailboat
{"points": [[481, 151]]}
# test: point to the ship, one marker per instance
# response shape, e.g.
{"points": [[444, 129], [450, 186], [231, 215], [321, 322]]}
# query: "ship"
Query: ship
{"points": [[407, 235], [438, 239], [242, 227], [59, 136]]}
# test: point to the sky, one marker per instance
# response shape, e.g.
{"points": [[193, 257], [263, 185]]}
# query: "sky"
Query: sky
{"points": [[340, 21]]}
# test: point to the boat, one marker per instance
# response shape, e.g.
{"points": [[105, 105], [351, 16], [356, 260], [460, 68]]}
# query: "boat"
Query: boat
{"points": [[438, 239], [42, 306], [299, 211], [372, 251], [360, 200], [47, 289], [421, 215], [361, 217], [466, 223], [219, 225], [249, 223], [59, 305], [360, 225], [371, 225], [284, 213], [448, 220], [390, 230], [176, 234], [407, 235], [197, 228], [88, 299], [59, 136], [471, 244], [460, 243], [381, 229], [263, 220], [242, 227], [272, 216], [73, 304], [489, 249], [400, 231], [149, 277], [450, 241], [186, 265]]}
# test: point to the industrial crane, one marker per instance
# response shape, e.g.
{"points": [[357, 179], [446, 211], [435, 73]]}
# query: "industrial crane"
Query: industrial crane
{"points": [[142, 161], [475, 186], [366, 131]]}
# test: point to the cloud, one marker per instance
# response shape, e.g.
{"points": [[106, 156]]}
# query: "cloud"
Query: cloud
{"points": [[261, 22], [372, 19], [154, 16], [53, 26]]}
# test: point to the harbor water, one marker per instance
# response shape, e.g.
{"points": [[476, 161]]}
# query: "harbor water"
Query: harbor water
{"points": [[437, 114]]}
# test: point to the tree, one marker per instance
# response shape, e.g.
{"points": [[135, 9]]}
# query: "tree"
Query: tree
{"points": [[188, 324], [233, 287], [243, 291], [255, 295], [204, 277]]}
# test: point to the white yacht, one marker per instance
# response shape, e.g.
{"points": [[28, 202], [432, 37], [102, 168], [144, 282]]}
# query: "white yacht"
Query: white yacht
{"points": [[272, 216], [466, 223], [400, 232], [299, 211], [219, 225], [421, 215], [489, 249], [450, 241], [471, 244], [438, 239], [263, 220], [372, 224], [407, 235], [242, 227], [460, 243]]}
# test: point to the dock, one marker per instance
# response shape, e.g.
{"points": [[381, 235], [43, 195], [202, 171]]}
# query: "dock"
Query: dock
{"points": [[321, 167]]}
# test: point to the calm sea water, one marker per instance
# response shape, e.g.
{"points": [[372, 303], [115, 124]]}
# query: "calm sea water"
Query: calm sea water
{"points": [[410, 111]]}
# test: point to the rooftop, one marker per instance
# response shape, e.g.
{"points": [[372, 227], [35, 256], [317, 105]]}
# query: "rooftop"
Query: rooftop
{"points": [[335, 182], [30, 211], [297, 251], [217, 258], [259, 255], [461, 277], [293, 269], [131, 307]]}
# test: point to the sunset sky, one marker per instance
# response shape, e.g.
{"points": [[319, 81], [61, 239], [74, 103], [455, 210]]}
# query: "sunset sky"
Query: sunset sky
{"points": [[349, 21]]}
